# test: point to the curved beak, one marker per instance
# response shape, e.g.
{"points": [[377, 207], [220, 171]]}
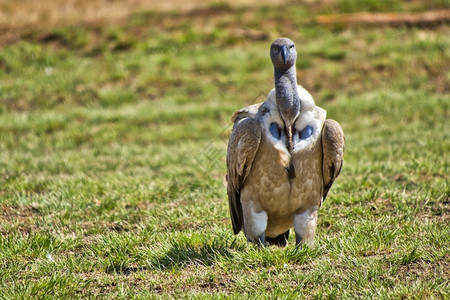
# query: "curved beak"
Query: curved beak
{"points": [[284, 53]]}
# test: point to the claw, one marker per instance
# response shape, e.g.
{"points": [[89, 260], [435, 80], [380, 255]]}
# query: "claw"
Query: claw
{"points": [[262, 240], [298, 239]]}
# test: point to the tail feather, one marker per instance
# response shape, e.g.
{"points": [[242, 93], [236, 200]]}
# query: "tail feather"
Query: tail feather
{"points": [[280, 240]]}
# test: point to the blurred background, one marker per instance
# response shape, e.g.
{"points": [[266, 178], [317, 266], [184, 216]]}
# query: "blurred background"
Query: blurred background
{"points": [[114, 121]]}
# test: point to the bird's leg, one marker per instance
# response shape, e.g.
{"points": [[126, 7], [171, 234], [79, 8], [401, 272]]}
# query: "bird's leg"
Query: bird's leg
{"points": [[298, 239], [305, 226], [262, 240], [255, 222]]}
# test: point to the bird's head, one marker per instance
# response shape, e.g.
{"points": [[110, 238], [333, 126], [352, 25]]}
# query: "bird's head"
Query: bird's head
{"points": [[283, 54]]}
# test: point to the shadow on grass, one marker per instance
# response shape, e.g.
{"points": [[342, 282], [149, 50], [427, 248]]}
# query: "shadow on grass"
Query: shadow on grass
{"points": [[183, 253], [198, 250]]}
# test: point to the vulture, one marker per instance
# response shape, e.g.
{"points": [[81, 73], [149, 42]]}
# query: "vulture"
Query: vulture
{"points": [[283, 156]]}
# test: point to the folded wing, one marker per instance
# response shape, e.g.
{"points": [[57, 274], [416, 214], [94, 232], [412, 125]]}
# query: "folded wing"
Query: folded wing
{"points": [[333, 141], [242, 147]]}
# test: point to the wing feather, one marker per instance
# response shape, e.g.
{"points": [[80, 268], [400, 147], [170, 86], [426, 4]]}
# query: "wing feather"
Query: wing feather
{"points": [[333, 141], [242, 147]]}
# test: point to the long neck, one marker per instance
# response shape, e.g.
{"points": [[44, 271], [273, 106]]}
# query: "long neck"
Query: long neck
{"points": [[288, 100], [287, 77]]}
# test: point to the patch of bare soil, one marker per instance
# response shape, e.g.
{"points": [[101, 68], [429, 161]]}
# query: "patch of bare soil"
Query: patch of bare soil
{"points": [[20, 217], [425, 270], [19, 16], [16, 13]]}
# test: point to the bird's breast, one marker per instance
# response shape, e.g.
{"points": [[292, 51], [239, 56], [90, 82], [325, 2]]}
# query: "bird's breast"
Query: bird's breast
{"points": [[268, 182], [308, 180]]}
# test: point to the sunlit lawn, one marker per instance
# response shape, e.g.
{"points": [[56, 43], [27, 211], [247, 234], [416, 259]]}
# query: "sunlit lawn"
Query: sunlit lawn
{"points": [[112, 157]]}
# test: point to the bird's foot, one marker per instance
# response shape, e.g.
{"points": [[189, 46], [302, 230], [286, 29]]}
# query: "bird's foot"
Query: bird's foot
{"points": [[261, 240], [298, 239]]}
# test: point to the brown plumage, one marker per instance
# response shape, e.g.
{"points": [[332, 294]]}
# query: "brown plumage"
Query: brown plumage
{"points": [[274, 183]]}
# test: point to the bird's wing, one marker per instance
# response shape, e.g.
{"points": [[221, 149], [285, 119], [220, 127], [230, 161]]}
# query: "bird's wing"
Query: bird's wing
{"points": [[333, 140], [248, 111], [242, 147]]}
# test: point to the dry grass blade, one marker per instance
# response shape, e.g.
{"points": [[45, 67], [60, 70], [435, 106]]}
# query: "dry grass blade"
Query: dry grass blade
{"points": [[429, 18]]}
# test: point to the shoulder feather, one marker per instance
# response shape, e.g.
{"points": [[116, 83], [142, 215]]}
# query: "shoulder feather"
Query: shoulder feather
{"points": [[248, 111]]}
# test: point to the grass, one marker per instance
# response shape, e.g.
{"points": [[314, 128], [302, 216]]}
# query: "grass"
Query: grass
{"points": [[112, 157]]}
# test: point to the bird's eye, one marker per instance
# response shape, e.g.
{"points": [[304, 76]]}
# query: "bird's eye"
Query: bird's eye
{"points": [[291, 46], [275, 48]]}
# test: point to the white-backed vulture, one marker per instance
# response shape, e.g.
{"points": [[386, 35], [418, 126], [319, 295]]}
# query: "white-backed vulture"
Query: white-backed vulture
{"points": [[282, 158]]}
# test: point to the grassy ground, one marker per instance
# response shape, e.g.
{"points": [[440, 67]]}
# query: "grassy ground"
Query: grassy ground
{"points": [[112, 156]]}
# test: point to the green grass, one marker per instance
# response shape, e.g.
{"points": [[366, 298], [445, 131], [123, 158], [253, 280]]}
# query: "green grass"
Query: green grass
{"points": [[112, 158]]}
